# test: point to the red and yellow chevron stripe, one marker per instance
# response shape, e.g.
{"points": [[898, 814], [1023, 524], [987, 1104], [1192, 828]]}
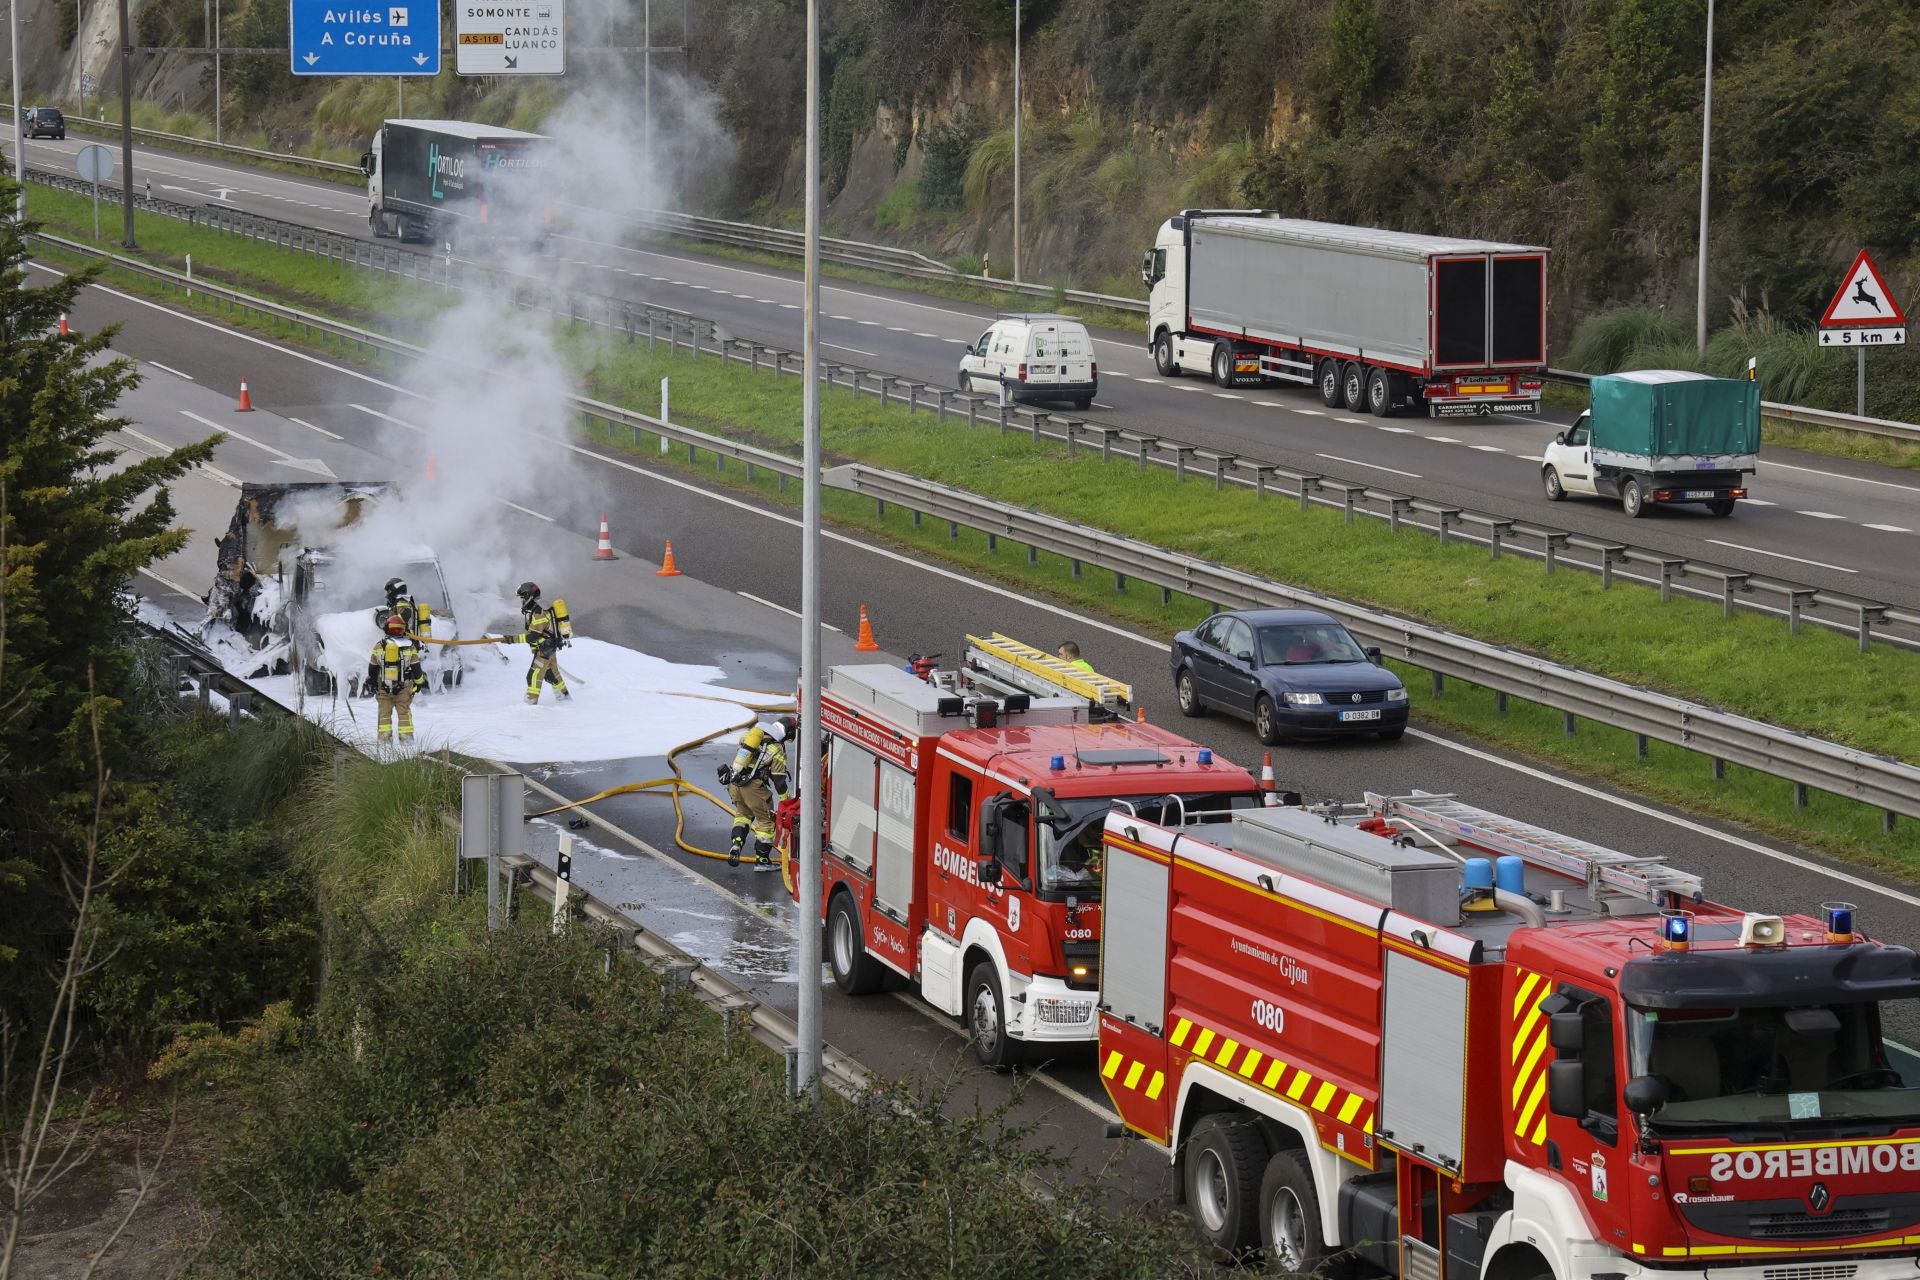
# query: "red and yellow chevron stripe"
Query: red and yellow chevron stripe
{"points": [[1136, 1073], [1274, 1075], [1527, 1047]]}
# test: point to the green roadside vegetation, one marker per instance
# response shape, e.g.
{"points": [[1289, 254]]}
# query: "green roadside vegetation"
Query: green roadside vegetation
{"points": [[1815, 682], [239, 940]]}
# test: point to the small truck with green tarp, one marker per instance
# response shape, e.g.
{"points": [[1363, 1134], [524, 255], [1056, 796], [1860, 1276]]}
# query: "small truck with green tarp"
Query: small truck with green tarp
{"points": [[1659, 436]]}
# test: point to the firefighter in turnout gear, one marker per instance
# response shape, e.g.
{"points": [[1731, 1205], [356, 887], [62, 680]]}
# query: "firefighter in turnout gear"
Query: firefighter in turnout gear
{"points": [[417, 616], [756, 780], [394, 674], [549, 630]]}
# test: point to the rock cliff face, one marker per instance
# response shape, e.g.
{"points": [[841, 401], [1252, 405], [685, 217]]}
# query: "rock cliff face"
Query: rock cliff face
{"points": [[56, 63]]}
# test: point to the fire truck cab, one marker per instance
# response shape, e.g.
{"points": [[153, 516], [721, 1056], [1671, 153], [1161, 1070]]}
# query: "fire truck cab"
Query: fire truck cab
{"points": [[1422, 1039], [963, 843]]}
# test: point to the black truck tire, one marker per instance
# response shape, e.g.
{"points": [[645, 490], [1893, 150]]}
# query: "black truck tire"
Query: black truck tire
{"points": [[1289, 1221], [1556, 492], [1721, 506], [1380, 397], [1163, 356], [1221, 1171], [1327, 377], [1223, 364], [854, 971], [1633, 498], [1353, 387]]}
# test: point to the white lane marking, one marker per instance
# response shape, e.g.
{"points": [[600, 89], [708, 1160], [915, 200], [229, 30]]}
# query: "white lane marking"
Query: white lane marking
{"points": [[926, 335], [305, 464], [1186, 388], [387, 417], [839, 317], [322, 430], [1822, 515], [1311, 413], [170, 369], [1227, 395], [1818, 564], [1151, 382], [1435, 439], [778, 608], [1487, 448], [766, 302], [162, 448], [1098, 405], [1040, 1078], [857, 351], [1837, 475], [1078, 619], [1531, 457], [1889, 528], [1115, 373], [1372, 466], [789, 306], [173, 586], [1759, 502], [1398, 431], [958, 342], [525, 511], [874, 324], [1270, 404], [1356, 421], [897, 328]]}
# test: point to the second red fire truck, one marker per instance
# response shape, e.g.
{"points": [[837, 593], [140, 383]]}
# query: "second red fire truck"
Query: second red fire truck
{"points": [[965, 813], [1420, 1039]]}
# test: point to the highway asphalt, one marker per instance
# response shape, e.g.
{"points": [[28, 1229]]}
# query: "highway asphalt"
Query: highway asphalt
{"points": [[1840, 525], [740, 552]]}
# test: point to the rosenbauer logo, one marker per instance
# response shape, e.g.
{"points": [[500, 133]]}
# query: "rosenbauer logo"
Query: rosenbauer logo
{"points": [[1810, 1162]]}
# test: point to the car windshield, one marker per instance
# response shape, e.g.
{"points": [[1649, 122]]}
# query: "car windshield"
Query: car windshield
{"points": [[1305, 644], [1732, 1067], [1070, 846]]}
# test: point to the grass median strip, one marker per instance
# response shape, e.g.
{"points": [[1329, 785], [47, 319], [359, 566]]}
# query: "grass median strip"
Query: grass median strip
{"points": [[1814, 682]]}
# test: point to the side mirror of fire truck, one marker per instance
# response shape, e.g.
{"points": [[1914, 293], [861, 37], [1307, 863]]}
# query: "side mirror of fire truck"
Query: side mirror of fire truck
{"points": [[987, 866], [1645, 1095], [1566, 1031]]}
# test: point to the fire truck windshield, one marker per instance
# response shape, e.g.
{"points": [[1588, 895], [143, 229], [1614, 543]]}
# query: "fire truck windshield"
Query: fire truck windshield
{"points": [[1070, 845], [1759, 1065]]}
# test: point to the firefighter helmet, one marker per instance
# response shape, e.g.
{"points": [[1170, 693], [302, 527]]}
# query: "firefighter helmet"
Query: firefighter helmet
{"points": [[529, 595], [396, 625], [396, 587], [784, 729]]}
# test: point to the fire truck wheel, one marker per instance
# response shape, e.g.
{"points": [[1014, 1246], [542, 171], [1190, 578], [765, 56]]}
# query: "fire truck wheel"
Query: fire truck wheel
{"points": [[1188, 696], [986, 1012], [854, 971], [1289, 1220], [1222, 1172]]}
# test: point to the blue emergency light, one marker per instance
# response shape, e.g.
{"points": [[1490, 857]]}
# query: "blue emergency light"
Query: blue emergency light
{"points": [[1676, 930], [1839, 921], [1058, 762], [1206, 755]]}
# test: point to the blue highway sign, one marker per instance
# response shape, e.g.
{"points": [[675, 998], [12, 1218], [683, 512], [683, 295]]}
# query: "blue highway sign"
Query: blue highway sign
{"points": [[384, 40]]}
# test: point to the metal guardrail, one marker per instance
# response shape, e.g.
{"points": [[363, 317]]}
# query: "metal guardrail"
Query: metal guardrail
{"points": [[1890, 785], [769, 1026], [907, 262], [1734, 588]]}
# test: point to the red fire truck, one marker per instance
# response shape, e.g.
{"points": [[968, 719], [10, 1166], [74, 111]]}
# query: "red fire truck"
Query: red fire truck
{"points": [[1432, 1042], [964, 830]]}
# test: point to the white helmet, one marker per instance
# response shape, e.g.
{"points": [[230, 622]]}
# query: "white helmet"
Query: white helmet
{"points": [[782, 729]]}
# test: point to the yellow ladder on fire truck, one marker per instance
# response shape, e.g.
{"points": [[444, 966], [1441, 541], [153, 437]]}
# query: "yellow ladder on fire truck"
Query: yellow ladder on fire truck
{"points": [[1606, 872], [1040, 673]]}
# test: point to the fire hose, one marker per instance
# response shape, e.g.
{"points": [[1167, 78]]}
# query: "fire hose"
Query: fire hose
{"points": [[676, 786]]}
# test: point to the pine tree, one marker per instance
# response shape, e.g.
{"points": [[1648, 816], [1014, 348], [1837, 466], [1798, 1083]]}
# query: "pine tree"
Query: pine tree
{"points": [[77, 521]]}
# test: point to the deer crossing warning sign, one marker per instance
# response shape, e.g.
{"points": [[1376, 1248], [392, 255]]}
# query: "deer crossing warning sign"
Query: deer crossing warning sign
{"points": [[1864, 312]]}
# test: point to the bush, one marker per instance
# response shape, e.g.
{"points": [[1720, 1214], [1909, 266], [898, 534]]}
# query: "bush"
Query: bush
{"points": [[992, 156], [1605, 341], [947, 147]]}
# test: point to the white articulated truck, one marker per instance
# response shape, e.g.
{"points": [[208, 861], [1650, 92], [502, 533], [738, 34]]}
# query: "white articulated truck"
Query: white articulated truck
{"points": [[456, 182], [1376, 320]]}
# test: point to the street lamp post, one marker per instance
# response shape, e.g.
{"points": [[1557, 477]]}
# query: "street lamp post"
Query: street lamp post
{"points": [[1706, 156], [126, 123], [807, 1080], [1018, 104], [19, 128]]}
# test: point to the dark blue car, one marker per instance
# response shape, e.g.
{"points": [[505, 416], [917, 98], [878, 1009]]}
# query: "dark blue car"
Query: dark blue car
{"points": [[1293, 672]]}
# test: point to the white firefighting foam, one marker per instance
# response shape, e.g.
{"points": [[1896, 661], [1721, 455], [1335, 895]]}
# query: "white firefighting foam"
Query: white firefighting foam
{"points": [[625, 704]]}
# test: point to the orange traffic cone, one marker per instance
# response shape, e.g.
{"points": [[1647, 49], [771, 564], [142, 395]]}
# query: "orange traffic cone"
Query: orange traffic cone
{"points": [[605, 550], [64, 331], [865, 642], [432, 472], [246, 400], [1270, 789], [667, 569]]}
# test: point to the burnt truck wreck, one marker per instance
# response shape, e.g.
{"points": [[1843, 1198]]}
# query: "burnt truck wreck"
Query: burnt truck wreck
{"points": [[297, 606]]}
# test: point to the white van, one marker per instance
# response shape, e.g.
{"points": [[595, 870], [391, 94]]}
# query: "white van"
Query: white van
{"points": [[1033, 358]]}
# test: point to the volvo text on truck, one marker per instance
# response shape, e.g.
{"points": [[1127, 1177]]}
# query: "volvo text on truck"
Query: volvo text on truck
{"points": [[964, 822], [453, 182], [1658, 437], [1378, 321], [1439, 1043]]}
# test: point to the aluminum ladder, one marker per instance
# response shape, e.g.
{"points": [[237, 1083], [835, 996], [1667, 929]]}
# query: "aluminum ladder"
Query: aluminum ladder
{"points": [[1605, 872], [1029, 670]]}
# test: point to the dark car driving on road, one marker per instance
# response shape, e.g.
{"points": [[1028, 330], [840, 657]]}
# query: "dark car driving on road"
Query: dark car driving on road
{"points": [[44, 122], [1293, 672]]}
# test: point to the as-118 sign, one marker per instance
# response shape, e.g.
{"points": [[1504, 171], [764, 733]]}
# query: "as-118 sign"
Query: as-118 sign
{"points": [[510, 37]]}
